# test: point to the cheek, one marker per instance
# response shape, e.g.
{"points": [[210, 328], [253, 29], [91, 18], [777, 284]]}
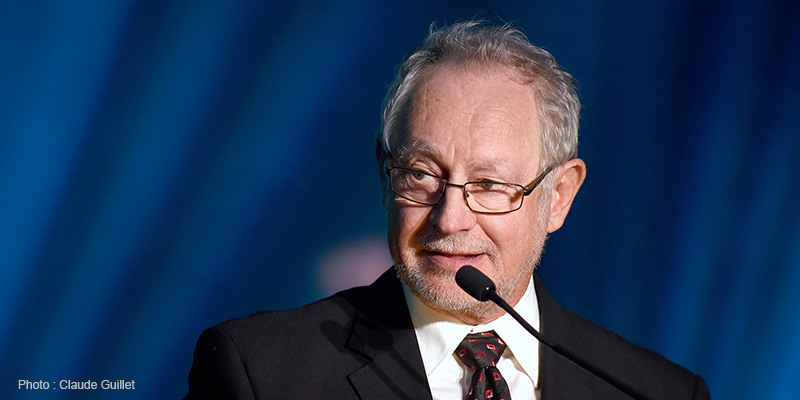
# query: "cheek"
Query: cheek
{"points": [[501, 225], [513, 235], [403, 222]]}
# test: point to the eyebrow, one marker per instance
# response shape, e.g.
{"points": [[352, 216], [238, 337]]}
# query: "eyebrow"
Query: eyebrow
{"points": [[418, 150]]}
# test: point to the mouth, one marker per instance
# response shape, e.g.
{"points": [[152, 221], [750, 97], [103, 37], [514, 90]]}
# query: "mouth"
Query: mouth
{"points": [[452, 261]]}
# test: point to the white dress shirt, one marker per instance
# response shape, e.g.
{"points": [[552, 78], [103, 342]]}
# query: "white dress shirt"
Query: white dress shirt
{"points": [[439, 335]]}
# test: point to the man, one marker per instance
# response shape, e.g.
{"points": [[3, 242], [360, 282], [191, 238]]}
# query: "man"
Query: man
{"points": [[477, 157]]}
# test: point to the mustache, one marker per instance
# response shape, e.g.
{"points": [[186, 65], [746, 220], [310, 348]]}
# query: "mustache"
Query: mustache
{"points": [[459, 243]]}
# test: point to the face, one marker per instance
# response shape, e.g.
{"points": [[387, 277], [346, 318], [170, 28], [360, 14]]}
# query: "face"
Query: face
{"points": [[469, 126]]}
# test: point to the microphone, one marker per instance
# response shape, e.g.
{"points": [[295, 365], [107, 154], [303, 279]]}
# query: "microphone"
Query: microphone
{"points": [[479, 286], [474, 282]]}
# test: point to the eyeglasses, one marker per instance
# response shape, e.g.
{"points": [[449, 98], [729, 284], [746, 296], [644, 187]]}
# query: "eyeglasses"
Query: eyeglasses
{"points": [[486, 197]]}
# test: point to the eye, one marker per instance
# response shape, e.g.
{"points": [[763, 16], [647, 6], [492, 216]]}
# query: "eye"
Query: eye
{"points": [[413, 178], [490, 186], [419, 176]]}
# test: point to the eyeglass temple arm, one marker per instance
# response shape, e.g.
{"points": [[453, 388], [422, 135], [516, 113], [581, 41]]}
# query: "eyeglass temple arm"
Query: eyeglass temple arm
{"points": [[529, 189]]}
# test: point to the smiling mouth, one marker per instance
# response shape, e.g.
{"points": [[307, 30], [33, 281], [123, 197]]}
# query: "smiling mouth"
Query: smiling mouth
{"points": [[451, 261], [456, 256]]}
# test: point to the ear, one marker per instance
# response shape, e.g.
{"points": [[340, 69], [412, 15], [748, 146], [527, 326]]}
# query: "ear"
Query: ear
{"points": [[567, 181]]}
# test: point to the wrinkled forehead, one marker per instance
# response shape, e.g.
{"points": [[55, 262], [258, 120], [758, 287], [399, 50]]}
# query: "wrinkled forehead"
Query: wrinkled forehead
{"points": [[485, 114]]}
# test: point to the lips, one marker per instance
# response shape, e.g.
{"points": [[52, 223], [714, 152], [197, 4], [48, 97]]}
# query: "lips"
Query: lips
{"points": [[450, 261]]}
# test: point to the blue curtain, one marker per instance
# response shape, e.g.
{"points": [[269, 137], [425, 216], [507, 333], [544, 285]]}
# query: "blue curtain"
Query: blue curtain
{"points": [[168, 165]]}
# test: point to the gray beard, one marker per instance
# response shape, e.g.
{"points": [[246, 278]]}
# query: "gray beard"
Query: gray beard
{"points": [[437, 299], [414, 276]]}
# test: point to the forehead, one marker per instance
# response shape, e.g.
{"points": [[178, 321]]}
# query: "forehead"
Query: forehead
{"points": [[473, 116]]}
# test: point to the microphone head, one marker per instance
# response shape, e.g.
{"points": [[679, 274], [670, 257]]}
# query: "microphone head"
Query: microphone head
{"points": [[474, 282]]}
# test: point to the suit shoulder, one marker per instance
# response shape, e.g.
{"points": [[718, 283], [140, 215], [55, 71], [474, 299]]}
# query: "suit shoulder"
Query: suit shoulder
{"points": [[636, 365], [610, 346], [233, 359], [381, 301], [340, 307]]}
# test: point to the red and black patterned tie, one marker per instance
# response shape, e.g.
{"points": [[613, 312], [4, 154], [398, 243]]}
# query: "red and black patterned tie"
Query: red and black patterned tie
{"points": [[480, 352]]}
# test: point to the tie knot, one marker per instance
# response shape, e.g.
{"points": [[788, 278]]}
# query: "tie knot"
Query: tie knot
{"points": [[480, 350]]}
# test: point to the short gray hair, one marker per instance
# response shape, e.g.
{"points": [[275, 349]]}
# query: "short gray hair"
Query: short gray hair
{"points": [[474, 43]]}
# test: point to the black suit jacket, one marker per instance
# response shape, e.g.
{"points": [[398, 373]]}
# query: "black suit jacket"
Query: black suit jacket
{"points": [[360, 344]]}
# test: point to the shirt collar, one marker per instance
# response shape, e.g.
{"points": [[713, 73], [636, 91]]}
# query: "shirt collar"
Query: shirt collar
{"points": [[438, 335]]}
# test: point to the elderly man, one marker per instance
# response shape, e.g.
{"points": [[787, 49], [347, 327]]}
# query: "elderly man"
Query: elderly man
{"points": [[478, 160]]}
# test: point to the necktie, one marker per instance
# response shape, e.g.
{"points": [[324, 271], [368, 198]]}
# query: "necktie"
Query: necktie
{"points": [[480, 352]]}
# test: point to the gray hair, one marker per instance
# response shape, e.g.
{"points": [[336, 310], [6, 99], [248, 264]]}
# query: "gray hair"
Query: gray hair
{"points": [[476, 44]]}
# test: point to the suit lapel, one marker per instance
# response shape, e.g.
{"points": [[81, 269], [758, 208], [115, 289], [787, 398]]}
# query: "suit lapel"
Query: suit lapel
{"points": [[559, 378], [384, 334]]}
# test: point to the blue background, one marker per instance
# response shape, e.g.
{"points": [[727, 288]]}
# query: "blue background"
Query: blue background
{"points": [[168, 165]]}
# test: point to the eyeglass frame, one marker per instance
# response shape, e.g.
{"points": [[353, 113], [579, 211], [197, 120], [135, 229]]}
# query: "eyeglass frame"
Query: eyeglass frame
{"points": [[526, 190]]}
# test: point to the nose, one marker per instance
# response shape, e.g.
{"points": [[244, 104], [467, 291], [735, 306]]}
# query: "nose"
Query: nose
{"points": [[452, 214]]}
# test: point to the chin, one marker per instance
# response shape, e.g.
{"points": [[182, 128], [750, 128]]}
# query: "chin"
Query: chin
{"points": [[438, 290]]}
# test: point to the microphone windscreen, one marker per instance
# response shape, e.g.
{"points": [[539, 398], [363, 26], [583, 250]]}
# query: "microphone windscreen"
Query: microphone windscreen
{"points": [[474, 282]]}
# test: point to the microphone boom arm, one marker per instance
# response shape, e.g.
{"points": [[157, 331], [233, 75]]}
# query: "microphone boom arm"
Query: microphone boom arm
{"points": [[494, 297], [479, 286]]}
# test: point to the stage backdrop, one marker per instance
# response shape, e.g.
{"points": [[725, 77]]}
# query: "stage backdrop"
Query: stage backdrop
{"points": [[168, 165]]}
